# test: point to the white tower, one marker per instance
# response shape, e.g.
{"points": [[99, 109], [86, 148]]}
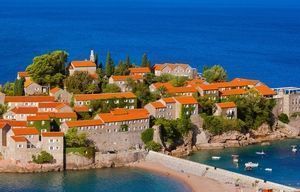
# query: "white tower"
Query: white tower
{"points": [[92, 56]]}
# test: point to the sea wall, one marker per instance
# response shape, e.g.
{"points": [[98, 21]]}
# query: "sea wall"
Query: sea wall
{"points": [[221, 175]]}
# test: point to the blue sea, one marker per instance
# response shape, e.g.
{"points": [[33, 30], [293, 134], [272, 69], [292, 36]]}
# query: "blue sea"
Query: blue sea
{"points": [[279, 157], [256, 39], [101, 180]]}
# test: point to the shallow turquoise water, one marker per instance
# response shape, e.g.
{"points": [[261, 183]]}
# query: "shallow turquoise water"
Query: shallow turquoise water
{"points": [[103, 180], [279, 157]]}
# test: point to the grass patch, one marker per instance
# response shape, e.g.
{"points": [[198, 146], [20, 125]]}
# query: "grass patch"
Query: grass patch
{"points": [[88, 152]]}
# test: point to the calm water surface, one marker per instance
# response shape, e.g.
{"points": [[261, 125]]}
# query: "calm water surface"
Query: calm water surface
{"points": [[255, 39], [104, 180], [284, 163]]}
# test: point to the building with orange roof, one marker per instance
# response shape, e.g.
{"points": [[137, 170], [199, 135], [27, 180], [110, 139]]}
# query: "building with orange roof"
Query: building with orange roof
{"points": [[87, 66], [20, 113], [4, 128], [176, 69], [26, 101], [33, 88], [225, 109], [53, 143], [23, 74], [55, 107], [139, 71], [232, 93], [61, 95], [122, 81], [265, 91], [117, 130], [127, 98], [175, 91], [173, 107]]}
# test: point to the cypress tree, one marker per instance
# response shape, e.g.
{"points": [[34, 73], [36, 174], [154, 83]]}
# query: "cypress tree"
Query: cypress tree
{"points": [[128, 62], [109, 65], [19, 87], [145, 61]]}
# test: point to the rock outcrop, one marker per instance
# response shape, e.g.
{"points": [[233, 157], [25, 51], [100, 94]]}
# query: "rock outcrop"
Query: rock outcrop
{"points": [[12, 166]]}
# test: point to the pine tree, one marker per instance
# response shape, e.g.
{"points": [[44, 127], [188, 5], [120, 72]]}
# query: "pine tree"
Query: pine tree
{"points": [[109, 65], [145, 61], [128, 62]]}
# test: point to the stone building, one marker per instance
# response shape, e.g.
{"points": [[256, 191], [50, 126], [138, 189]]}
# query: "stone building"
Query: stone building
{"points": [[87, 66], [287, 101], [128, 99], [225, 109], [174, 91], [53, 143], [26, 101], [122, 81], [20, 113], [173, 107], [176, 69], [32, 88], [118, 130], [61, 95]]}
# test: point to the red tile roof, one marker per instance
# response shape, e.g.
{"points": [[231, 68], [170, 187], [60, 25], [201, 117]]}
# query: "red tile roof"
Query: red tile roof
{"points": [[14, 123], [50, 104], [25, 110], [126, 77], [83, 64], [265, 90], [169, 100], [29, 99], [81, 109], [52, 134], [19, 139], [23, 74], [38, 118], [226, 105], [158, 105], [208, 87], [59, 115], [182, 90], [186, 100], [84, 123], [25, 131], [3, 124], [160, 67], [104, 96], [132, 114], [139, 70], [55, 90]]}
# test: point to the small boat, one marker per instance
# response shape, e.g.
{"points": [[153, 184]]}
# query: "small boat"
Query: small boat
{"points": [[215, 157], [268, 169], [235, 158], [260, 152], [251, 165], [294, 148]]}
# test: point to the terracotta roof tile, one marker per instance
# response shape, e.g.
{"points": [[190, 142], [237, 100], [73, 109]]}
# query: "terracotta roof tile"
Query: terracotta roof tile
{"points": [[52, 134], [38, 118], [14, 123], [132, 114], [25, 110], [233, 92], [81, 109], [139, 70], [29, 99], [25, 131], [83, 123], [19, 139], [158, 105], [104, 96], [169, 100], [265, 90], [186, 100], [125, 77], [55, 90], [226, 105], [50, 104], [3, 124], [83, 64], [23, 74], [59, 115]]}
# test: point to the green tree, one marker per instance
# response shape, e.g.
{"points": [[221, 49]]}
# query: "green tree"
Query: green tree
{"points": [[111, 88], [8, 89], [206, 104], [75, 139], [128, 63], [48, 68], [283, 118], [145, 61], [3, 109], [19, 87], [179, 81], [214, 74], [81, 82], [153, 146], [109, 65], [147, 135], [43, 157]]}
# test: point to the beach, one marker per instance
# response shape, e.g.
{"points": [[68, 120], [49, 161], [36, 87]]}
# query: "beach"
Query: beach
{"points": [[195, 183]]}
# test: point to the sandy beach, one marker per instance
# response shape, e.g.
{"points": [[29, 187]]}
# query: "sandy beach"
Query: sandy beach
{"points": [[196, 183]]}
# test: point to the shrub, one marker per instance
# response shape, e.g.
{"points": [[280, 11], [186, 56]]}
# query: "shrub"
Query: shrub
{"points": [[88, 152], [43, 157], [283, 118], [147, 135], [73, 139], [151, 145]]}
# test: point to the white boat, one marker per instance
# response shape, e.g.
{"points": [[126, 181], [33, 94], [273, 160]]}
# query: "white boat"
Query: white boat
{"points": [[236, 160], [260, 153], [215, 157], [294, 148], [268, 169], [251, 165]]}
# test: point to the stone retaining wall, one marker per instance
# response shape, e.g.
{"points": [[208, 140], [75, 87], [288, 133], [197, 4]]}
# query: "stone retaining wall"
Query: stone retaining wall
{"points": [[221, 175]]}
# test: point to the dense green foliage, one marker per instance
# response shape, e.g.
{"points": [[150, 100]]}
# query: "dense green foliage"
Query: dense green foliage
{"points": [[178, 81], [100, 106], [214, 74], [3, 109], [283, 118], [109, 65], [88, 152], [147, 135], [219, 125], [8, 89], [254, 110], [19, 87], [43, 157], [75, 139], [111, 88], [81, 82], [48, 69], [153, 146], [206, 105], [145, 61]]}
